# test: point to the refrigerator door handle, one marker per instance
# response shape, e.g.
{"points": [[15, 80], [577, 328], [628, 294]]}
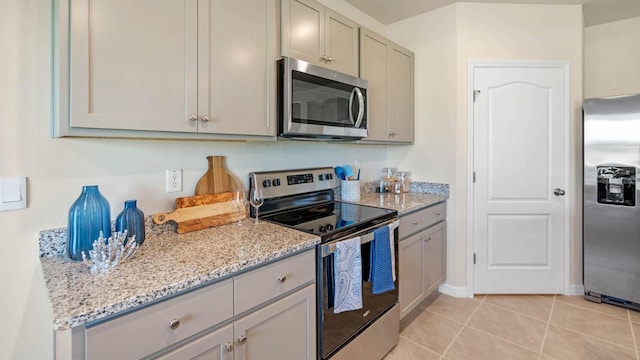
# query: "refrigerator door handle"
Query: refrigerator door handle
{"points": [[558, 192]]}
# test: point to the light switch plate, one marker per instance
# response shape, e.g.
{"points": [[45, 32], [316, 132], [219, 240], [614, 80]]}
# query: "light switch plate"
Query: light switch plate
{"points": [[13, 193]]}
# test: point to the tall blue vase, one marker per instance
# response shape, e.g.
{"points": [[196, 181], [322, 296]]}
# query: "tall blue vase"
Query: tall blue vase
{"points": [[132, 220], [88, 215]]}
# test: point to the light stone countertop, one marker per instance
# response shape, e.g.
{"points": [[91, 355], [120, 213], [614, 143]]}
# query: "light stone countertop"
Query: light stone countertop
{"points": [[167, 263], [403, 203]]}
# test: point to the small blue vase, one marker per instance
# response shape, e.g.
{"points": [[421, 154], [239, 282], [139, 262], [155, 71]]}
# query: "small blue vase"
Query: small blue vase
{"points": [[88, 215], [132, 220]]}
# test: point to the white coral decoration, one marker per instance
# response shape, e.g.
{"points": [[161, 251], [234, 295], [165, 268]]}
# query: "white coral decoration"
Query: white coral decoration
{"points": [[108, 253]]}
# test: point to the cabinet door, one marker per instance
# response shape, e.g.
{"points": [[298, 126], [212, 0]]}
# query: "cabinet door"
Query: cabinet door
{"points": [[217, 345], [133, 64], [303, 31], [436, 256], [341, 43], [401, 95], [412, 272], [237, 67], [284, 330], [374, 66]]}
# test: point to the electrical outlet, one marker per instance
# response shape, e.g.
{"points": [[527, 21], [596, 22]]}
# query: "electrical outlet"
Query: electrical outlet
{"points": [[174, 180]]}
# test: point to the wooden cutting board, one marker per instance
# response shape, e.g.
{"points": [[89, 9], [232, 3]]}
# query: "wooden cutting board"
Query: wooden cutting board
{"points": [[217, 179], [201, 212]]}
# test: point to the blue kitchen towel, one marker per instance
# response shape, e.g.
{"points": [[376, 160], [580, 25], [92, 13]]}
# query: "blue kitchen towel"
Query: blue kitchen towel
{"points": [[381, 262], [347, 276]]}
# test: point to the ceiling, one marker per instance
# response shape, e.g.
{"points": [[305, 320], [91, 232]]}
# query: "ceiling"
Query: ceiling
{"points": [[595, 11]]}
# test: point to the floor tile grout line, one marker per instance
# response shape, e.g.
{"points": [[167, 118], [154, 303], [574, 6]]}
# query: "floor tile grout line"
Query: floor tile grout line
{"points": [[462, 328], [593, 337], [420, 345], [501, 338], [590, 309], [546, 330], [516, 312]]}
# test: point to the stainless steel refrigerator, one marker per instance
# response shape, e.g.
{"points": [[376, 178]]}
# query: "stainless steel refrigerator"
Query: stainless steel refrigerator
{"points": [[611, 200]]}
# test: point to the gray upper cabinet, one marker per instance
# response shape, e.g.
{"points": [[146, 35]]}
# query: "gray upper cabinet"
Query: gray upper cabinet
{"points": [[165, 69], [389, 69], [318, 35]]}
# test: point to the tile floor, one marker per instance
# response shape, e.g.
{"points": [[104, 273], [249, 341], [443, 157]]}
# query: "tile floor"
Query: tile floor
{"points": [[537, 327]]}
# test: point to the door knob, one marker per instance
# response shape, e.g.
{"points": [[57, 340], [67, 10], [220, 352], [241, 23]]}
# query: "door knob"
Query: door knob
{"points": [[558, 191]]}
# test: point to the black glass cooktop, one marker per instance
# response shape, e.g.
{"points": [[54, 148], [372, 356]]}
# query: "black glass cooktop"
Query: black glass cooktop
{"points": [[332, 220]]}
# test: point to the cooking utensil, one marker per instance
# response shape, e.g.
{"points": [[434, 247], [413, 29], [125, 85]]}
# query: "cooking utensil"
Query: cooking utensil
{"points": [[348, 171], [202, 211], [217, 179], [340, 173]]}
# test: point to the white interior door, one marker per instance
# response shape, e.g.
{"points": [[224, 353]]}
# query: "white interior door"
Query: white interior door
{"points": [[520, 118]]}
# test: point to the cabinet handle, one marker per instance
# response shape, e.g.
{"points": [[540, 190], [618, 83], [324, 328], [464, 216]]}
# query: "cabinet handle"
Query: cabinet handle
{"points": [[205, 118], [193, 117], [424, 239], [174, 324], [324, 58], [282, 278], [242, 339], [437, 213], [329, 59], [415, 223], [429, 239], [229, 347], [392, 134]]}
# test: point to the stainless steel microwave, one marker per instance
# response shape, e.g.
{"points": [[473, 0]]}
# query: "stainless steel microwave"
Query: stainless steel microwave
{"points": [[319, 103]]}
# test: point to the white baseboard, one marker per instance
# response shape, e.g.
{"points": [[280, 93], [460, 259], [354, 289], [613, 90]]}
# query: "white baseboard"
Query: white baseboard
{"points": [[455, 291], [576, 290], [461, 291]]}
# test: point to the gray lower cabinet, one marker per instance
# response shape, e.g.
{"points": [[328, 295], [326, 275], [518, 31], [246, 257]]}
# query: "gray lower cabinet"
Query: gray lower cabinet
{"points": [[422, 255], [284, 330], [266, 313], [217, 345]]}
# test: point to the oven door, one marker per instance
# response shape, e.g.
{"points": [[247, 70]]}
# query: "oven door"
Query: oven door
{"points": [[320, 103], [336, 330]]}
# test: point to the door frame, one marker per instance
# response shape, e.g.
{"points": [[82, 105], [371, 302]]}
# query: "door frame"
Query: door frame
{"points": [[476, 64]]}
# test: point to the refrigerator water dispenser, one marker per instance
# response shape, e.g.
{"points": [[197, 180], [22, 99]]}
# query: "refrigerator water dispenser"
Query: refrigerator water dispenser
{"points": [[617, 185]]}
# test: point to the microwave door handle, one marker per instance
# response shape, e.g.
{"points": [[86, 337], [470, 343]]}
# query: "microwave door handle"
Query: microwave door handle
{"points": [[360, 107], [353, 93]]}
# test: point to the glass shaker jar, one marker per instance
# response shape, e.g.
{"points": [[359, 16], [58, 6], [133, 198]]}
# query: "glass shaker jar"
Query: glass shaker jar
{"points": [[404, 178]]}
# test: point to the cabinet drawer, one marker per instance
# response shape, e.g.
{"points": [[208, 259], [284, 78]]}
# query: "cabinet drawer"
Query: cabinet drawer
{"points": [[257, 286], [148, 330], [422, 219]]}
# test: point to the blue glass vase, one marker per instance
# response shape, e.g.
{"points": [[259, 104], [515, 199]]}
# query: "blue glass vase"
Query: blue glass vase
{"points": [[88, 215], [132, 220]]}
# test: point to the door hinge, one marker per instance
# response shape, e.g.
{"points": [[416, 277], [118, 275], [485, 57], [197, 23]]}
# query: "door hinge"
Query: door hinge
{"points": [[474, 176], [474, 258], [476, 94]]}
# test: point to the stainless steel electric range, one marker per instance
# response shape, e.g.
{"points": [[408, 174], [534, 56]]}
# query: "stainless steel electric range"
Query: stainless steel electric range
{"points": [[304, 199]]}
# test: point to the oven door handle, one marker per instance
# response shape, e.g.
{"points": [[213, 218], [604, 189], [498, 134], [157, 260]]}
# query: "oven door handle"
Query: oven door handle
{"points": [[328, 249]]}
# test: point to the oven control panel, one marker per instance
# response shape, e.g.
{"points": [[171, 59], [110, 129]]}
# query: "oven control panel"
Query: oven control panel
{"points": [[291, 182]]}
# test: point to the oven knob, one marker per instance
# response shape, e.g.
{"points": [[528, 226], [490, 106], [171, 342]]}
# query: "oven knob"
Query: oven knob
{"points": [[266, 183], [329, 176], [329, 227], [321, 228], [321, 177], [276, 182]]}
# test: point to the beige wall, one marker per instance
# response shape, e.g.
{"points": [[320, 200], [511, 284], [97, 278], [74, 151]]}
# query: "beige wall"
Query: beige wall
{"points": [[612, 59], [124, 169], [433, 39], [485, 32]]}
